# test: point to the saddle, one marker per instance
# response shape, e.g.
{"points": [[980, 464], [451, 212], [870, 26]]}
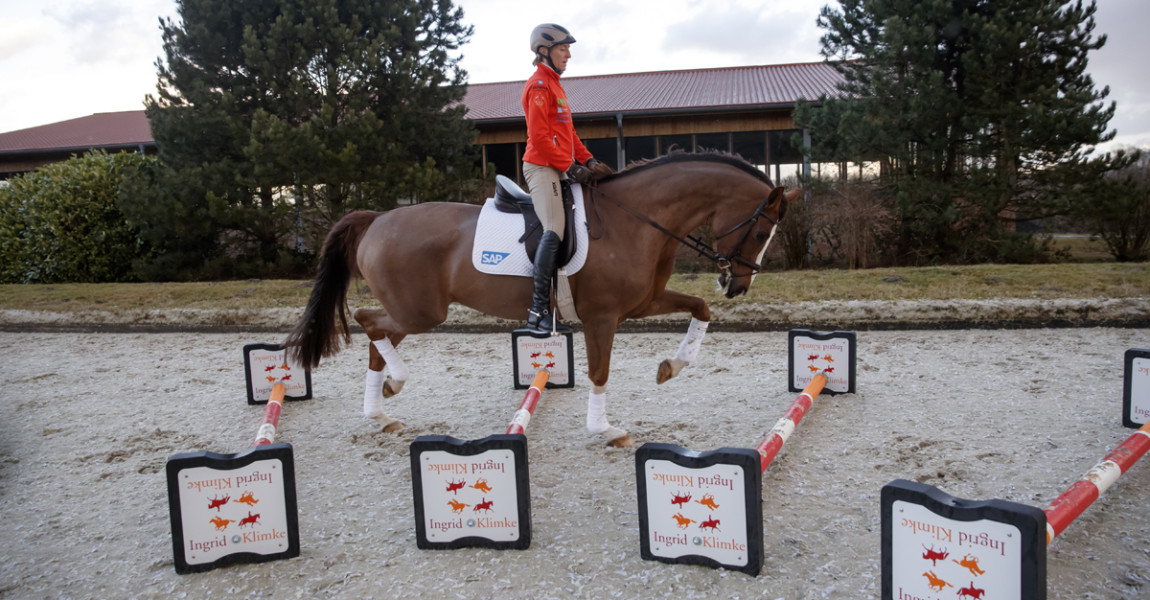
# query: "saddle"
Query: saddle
{"points": [[510, 198]]}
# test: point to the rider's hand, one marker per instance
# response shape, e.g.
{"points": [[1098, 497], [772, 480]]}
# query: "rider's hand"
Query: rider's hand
{"points": [[599, 169], [579, 174]]}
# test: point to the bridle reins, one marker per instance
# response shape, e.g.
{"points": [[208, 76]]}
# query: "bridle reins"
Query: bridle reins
{"points": [[722, 260]]}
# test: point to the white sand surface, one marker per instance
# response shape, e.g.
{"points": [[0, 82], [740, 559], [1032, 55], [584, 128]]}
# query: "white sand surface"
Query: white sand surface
{"points": [[90, 419]]}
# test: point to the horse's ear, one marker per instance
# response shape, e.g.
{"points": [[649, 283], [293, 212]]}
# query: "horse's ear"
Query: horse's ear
{"points": [[779, 196]]}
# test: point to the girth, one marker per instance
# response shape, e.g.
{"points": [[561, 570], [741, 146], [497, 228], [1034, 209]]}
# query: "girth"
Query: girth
{"points": [[510, 198]]}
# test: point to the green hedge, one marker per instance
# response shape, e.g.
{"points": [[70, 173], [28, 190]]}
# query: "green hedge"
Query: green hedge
{"points": [[62, 223]]}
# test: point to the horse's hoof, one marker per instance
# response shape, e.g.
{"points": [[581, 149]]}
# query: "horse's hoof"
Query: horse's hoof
{"points": [[389, 423], [391, 387], [665, 372], [623, 441], [616, 438]]}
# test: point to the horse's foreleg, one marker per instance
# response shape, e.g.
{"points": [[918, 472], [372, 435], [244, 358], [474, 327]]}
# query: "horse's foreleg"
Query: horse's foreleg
{"points": [[599, 337], [687, 353], [672, 302]]}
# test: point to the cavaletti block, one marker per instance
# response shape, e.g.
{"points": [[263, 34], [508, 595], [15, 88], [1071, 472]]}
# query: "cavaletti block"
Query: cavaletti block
{"points": [[1136, 388], [707, 508], [239, 508], [531, 351], [475, 492], [832, 354], [933, 543]]}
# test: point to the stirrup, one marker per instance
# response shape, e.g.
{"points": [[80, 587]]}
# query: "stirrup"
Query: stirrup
{"points": [[552, 324], [535, 322], [546, 324]]}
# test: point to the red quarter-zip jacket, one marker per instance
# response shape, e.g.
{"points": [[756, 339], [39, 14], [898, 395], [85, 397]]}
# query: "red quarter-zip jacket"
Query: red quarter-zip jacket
{"points": [[551, 137]]}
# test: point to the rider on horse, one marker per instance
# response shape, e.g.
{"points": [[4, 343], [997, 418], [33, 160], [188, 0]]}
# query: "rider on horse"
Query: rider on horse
{"points": [[553, 152]]}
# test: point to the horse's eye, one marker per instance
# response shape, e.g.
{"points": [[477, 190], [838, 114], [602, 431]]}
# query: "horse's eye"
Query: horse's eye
{"points": [[761, 236]]}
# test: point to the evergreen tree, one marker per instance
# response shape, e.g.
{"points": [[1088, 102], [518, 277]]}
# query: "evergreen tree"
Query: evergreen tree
{"points": [[981, 111], [354, 102]]}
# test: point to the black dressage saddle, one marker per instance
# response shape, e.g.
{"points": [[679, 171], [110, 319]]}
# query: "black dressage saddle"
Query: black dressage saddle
{"points": [[510, 198]]}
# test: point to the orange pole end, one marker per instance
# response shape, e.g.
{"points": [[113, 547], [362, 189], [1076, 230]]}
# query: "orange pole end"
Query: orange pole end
{"points": [[541, 378], [279, 390], [815, 387]]}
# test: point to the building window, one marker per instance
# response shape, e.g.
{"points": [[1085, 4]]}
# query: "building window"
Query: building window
{"points": [[782, 152], [676, 142], [641, 148], [751, 145], [713, 141], [505, 159], [604, 149]]}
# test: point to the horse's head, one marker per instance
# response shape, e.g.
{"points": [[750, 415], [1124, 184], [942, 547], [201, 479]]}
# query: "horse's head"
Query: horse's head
{"points": [[739, 247]]}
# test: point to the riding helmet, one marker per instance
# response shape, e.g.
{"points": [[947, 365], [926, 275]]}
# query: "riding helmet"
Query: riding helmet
{"points": [[548, 35]]}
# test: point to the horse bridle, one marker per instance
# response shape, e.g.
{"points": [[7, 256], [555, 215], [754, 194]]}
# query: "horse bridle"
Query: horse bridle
{"points": [[723, 261]]}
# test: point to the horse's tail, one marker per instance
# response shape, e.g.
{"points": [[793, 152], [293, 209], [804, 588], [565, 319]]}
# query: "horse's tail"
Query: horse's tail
{"points": [[323, 329]]}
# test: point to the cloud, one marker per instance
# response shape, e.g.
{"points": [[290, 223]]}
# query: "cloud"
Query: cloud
{"points": [[1119, 66], [751, 34], [95, 32], [23, 36]]}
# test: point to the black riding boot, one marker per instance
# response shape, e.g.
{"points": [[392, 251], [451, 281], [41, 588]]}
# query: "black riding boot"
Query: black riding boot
{"points": [[544, 273]]}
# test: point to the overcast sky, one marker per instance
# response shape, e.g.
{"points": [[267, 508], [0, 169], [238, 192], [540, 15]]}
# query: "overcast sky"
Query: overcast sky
{"points": [[63, 59]]}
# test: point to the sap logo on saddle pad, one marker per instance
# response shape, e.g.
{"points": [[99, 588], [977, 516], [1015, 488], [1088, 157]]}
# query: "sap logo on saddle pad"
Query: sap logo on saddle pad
{"points": [[493, 258]]}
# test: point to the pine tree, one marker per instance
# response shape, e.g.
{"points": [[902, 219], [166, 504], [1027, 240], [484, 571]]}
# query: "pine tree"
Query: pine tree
{"points": [[981, 112], [356, 102]]}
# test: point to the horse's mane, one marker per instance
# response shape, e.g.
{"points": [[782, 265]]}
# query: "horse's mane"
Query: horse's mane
{"points": [[678, 156]]}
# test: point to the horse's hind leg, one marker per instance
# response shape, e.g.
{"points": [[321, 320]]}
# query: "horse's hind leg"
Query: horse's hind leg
{"points": [[599, 337], [381, 353]]}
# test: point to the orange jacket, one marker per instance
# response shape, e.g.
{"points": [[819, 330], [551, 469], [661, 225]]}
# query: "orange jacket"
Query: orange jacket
{"points": [[551, 138]]}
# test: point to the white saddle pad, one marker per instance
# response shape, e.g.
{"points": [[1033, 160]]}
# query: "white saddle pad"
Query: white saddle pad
{"points": [[497, 249]]}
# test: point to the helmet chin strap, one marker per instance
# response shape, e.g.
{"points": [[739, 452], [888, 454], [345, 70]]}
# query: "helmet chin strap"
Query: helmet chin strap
{"points": [[547, 59]]}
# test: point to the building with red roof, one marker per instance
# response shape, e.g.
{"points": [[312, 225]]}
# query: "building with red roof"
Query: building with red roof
{"points": [[28, 149], [621, 118]]}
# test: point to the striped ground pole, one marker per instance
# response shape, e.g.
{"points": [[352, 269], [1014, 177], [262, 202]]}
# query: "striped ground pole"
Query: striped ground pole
{"points": [[267, 430], [786, 425], [523, 415], [1074, 501]]}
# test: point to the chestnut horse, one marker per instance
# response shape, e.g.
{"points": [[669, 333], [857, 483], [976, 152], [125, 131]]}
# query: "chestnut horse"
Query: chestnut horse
{"points": [[417, 261]]}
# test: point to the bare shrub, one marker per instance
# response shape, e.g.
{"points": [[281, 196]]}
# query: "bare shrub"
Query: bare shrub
{"points": [[853, 225], [837, 223]]}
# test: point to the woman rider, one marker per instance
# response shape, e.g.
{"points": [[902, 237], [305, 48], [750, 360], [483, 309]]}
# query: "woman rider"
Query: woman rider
{"points": [[553, 148]]}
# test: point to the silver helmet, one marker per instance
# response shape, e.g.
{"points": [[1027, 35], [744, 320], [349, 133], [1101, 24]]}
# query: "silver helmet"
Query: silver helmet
{"points": [[548, 35]]}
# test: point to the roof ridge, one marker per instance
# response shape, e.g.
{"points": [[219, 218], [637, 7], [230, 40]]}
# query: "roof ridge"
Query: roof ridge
{"points": [[664, 71]]}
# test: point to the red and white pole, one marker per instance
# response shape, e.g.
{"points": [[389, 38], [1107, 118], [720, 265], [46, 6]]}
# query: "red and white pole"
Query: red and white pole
{"points": [[267, 430], [523, 415], [786, 425], [1075, 500]]}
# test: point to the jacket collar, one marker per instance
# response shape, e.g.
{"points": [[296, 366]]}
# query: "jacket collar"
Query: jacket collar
{"points": [[545, 70]]}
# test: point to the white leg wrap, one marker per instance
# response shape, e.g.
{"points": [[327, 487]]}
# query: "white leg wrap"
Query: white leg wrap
{"points": [[395, 364], [597, 413], [689, 347], [373, 394]]}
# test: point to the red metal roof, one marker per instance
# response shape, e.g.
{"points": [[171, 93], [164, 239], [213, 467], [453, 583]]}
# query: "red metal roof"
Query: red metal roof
{"points": [[659, 92], [667, 91], [101, 130]]}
